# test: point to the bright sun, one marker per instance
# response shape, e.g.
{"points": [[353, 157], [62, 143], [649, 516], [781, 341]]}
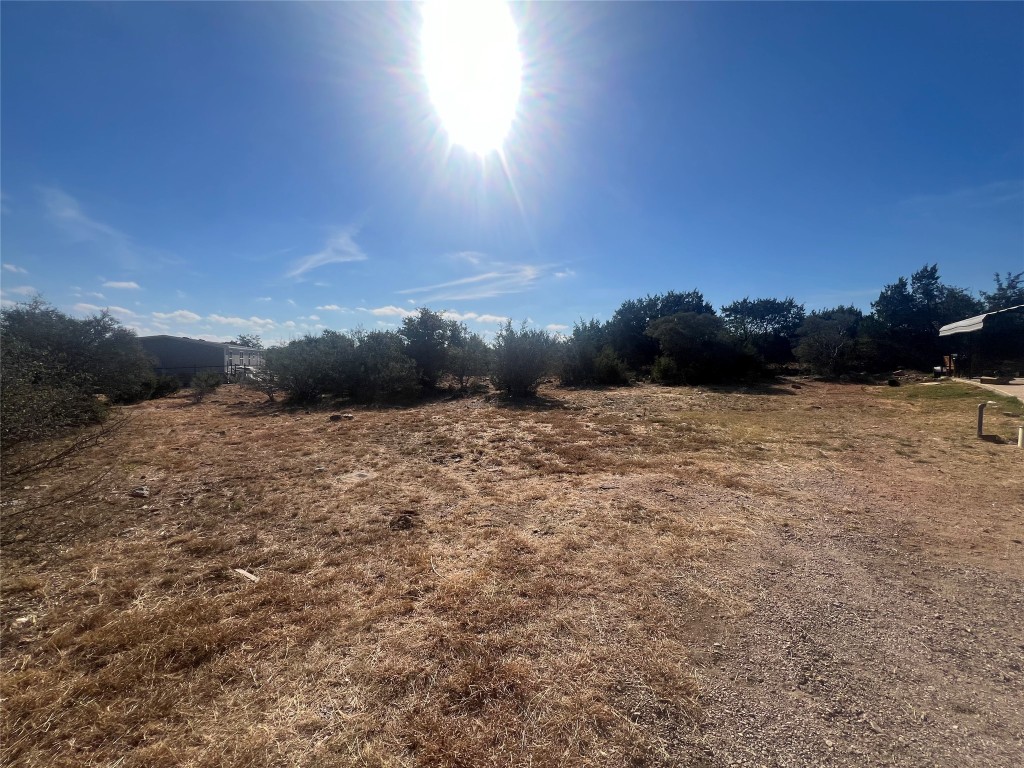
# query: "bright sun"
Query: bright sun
{"points": [[473, 69]]}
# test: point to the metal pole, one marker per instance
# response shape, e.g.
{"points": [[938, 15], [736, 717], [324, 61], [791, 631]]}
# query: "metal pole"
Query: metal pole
{"points": [[981, 419]]}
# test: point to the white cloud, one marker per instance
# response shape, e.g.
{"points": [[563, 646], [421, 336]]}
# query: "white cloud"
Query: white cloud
{"points": [[119, 312], [289, 324], [338, 249], [333, 308], [15, 269], [513, 279], [470, 257], [565, 273], [309, 317], [264, 298], [292, 302], [253, 323], [389, 311], [556, 327], [463, 316], [23, 290], [128, 285], [179, 315]]}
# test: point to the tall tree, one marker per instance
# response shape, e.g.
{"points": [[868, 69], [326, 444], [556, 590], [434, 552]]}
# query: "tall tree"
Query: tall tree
{"points": [[908, 314], [251, 340], [428, 336], [767, 325], [829, 343], [1009, 292], [628, 327]]}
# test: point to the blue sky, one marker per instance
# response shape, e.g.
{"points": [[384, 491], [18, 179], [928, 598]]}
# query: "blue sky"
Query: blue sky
{"points": [[210, 169]]}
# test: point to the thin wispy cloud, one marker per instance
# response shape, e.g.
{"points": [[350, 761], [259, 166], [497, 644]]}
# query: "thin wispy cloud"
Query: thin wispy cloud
{"points": [[333, 308], [563, 273], [127, 285], [339, 249], [22, 290], [264, 298], [468, 257], [179, 316], [513, 279], [67, 213], [556, 327], [119, 312], [15, 269]]}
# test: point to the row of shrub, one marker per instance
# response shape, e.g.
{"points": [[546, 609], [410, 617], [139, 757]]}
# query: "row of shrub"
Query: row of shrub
{"points": [[54, 366], [673, 338]]}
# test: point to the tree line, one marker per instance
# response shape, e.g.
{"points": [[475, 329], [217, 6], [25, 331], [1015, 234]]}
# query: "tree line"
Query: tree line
{"points": [[671, 338], [60, 372]]}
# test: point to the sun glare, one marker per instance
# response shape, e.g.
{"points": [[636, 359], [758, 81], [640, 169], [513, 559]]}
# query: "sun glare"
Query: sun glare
{"points": [[473, 69]]}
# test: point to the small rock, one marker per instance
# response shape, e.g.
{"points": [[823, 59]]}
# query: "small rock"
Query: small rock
{"points": [[142, 492], [335, 417], [829, 743]]}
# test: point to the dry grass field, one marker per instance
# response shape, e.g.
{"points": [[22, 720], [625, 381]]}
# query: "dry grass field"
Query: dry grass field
{"points": [[804, 574]]}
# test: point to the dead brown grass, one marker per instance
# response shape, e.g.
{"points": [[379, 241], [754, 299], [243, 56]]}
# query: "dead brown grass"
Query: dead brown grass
{"points": [[459, 584]]}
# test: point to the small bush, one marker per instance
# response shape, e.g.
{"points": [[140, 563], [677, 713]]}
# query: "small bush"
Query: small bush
{"points": [[609, 369], [666, 371], [468, 358], [164, 386], [384, 372], [204, 383], [313, 366], [521, 359]]}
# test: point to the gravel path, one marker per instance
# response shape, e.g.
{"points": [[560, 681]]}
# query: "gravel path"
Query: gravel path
{"points": [[864, 646]]}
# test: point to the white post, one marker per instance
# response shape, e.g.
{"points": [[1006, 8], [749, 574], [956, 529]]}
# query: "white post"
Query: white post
{"points": [[1020, 437]]}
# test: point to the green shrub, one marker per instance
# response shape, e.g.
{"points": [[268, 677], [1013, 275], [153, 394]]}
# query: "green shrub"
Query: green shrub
{"points": [[469, 357], [164, 386], [384, 372], [55, 366], [42, 396], [609, 369], [313, 366], [429, 338], [666, 371], [521, 359], [98, 347], [204, 382], [701, 349]]}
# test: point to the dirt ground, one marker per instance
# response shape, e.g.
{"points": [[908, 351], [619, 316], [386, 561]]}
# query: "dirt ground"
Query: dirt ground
{"points": [[802, 574]]}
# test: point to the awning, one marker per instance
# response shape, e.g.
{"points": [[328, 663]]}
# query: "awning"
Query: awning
{"points": [[972, 323]]}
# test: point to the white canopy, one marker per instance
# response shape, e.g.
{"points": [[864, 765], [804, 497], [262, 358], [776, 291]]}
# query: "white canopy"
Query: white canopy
{"points": [[972, 323]]}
